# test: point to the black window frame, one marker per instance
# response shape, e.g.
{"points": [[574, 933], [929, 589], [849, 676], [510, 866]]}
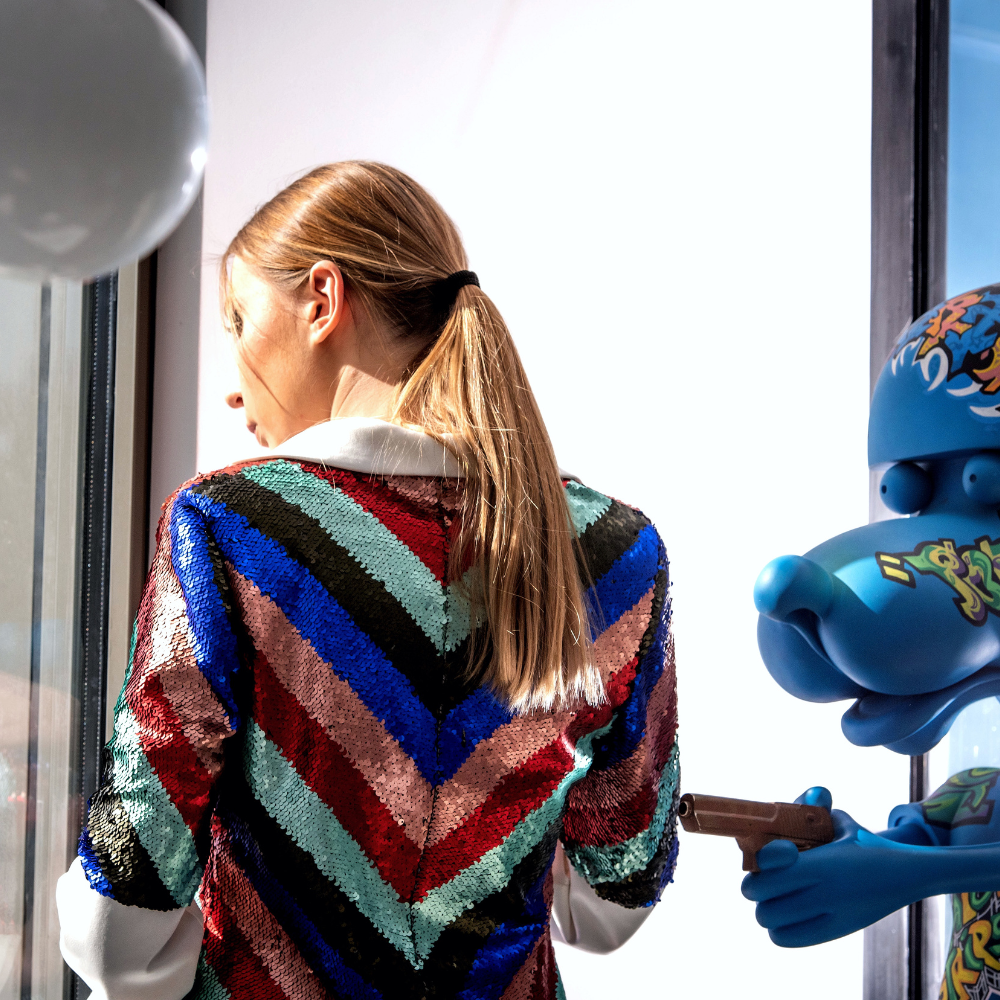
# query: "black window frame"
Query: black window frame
{"points": [[910, 41]]}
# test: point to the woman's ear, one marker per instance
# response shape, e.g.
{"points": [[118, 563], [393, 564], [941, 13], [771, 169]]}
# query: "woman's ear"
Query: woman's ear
{"points": [[325, 301]]}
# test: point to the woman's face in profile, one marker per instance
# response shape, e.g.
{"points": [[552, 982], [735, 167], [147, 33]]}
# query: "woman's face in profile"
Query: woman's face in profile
{"points": [[265, 345]]}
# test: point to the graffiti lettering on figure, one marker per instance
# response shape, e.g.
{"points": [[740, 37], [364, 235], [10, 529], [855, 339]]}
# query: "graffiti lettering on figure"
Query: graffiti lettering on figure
{"points": [[971, 571], [972, 968], [956, 339], [963, 800]]}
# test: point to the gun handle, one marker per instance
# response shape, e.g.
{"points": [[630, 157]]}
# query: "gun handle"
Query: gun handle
{"points": [[750, 845]]}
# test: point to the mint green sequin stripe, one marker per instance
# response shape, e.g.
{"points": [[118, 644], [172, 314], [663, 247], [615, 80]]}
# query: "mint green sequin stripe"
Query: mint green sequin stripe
{"points": [[120, 701], [492, 871], [371, 543], [585, 505], [459, 614], [617, 862], [157, 823], [300, 812], [560, 989]]}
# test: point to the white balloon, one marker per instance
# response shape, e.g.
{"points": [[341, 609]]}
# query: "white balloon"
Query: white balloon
{"points": [[103, 133]]}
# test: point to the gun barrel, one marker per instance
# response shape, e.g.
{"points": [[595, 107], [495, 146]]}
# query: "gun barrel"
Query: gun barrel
{"points": [[755, 824]]}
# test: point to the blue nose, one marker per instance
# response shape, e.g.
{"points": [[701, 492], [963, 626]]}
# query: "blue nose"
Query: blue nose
{"points": [[792, 583]]}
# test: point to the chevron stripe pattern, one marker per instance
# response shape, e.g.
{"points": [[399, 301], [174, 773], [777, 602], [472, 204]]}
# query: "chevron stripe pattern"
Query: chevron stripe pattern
{"points": [[295, 742]]}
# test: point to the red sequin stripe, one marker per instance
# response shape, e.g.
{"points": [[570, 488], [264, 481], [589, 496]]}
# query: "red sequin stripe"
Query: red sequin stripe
{"points": [[618, 685], [617, 690], [420, 530], [491, 823], [270, 942], [145, 622], [626, 793], [235, 964], [520, 987], [168, 751], [544, 985], [329, 772]]}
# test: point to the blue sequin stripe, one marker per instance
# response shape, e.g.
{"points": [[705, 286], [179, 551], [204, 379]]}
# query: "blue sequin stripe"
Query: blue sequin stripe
{"points": [[630, 576], [301, 930], [481, 714], [508, 947], [470, 722], [616, 862], [380, 553], [214, 644], [632, 716], [92, 867], [619, 590], [330, 630]]}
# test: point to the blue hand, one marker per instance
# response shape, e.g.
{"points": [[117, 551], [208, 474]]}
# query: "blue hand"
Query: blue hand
{"points": [[824, 893]]}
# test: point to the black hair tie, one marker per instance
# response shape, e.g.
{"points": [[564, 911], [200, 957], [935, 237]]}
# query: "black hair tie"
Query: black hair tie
{"points": [[445, 291], [424, 311]]}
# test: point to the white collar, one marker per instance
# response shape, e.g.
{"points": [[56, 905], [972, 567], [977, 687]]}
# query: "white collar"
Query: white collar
{"points": [[367, 444]]}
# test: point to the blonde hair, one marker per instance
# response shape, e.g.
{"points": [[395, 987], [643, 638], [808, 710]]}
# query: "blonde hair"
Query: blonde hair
{"points": [[393, 242]]}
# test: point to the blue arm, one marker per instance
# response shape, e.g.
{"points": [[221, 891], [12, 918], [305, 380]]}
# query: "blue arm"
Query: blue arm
{"points": [[813, 896]]}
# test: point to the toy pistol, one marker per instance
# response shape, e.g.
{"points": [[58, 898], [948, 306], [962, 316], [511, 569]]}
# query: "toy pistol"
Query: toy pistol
{"points": [[755, 824]]}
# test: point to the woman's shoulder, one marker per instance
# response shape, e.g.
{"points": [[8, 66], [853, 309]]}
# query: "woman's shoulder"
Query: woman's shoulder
{"points": [[210, 482], [613, 533]]}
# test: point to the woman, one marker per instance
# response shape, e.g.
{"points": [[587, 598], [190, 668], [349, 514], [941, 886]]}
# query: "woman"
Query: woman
{"points": [[380, 675]]}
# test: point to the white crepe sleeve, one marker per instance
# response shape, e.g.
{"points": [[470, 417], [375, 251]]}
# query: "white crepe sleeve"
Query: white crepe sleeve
{"points": [[126, 952], [584, 920]]}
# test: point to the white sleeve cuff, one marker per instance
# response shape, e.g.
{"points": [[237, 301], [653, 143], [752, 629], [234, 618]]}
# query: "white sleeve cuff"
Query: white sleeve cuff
{"points": [[126, 952], [582, 918]]}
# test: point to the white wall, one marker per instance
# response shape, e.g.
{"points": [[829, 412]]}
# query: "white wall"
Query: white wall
{"points": [[670, 204]]}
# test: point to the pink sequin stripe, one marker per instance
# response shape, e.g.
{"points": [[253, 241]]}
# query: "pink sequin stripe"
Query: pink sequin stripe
{"points": [[518, 741], [621, 781], [519, 988], [166, 649], [421, 490], [619, 642], [494, 758], [202, 718], [274, 948], [333, 703]]}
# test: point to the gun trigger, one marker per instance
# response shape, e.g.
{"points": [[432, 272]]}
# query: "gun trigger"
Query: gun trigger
{"points": [[750, 846]]}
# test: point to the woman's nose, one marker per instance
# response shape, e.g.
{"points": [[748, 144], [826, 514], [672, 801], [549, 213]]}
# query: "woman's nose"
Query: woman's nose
{"points": [[234, 399], [792, 583]]}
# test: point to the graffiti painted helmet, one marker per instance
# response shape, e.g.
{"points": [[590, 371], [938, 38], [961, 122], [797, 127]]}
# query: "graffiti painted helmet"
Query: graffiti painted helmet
{"points": [[939, 391]]}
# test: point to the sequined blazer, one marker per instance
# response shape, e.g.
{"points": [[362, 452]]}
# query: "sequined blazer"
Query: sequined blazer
{"points": [[294, 747]]}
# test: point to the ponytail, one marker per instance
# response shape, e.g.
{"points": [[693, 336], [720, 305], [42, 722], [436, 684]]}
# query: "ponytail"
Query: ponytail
{"points": [[394, 244], [472, 386]]}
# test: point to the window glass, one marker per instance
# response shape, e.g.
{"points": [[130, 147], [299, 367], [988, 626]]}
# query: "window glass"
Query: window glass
{"points": [[973, 145], [40, 343], [973, 259]]}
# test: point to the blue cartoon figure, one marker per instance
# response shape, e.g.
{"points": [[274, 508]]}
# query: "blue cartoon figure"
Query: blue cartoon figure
{"points": [[903, 616]]}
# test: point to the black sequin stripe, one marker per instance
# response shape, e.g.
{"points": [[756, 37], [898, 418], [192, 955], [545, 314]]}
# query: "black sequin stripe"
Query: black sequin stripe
{"points": [[460, 942], [125, 862], [611, 535], [334, 915], [660, 584], [460, 682], [371, 606], [359, 943]]}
